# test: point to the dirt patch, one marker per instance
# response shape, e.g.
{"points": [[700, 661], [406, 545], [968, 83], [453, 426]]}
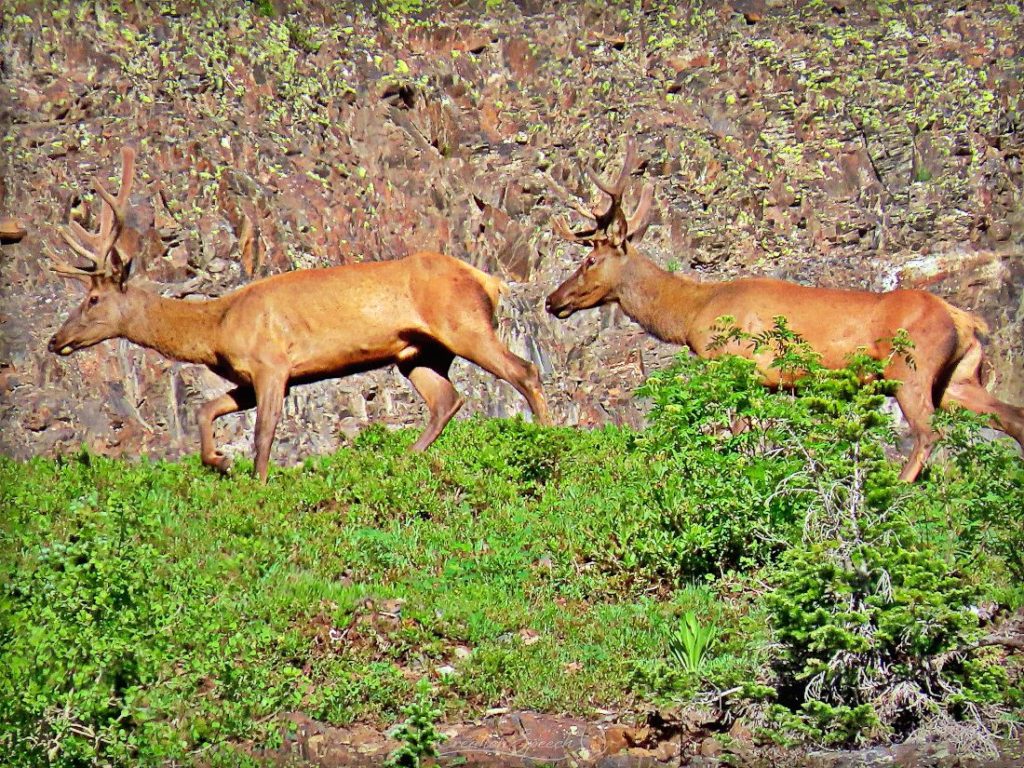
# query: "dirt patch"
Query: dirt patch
{"points": [[692, 738]]}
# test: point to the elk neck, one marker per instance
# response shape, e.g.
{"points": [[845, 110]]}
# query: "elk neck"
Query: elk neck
{"points": [[179, 329], [663, 303]]}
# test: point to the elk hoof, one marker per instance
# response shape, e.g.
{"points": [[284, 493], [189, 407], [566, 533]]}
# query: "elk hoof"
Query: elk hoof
{"points": [[219, 462]]}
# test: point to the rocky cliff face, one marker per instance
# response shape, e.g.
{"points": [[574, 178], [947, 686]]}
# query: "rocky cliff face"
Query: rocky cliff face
{"points": [[856, 144]]}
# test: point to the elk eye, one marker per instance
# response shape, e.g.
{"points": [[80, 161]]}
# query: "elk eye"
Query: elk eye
{"points": [[94, 300]]}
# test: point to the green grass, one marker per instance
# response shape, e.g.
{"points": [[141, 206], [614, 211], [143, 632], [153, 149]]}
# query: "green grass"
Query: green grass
{"points": [[158, 611], [202, 607]]}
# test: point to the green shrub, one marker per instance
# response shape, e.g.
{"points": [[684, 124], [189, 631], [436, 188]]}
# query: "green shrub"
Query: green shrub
{"points": [[876, 636], [711, 504], [515, 451], [874, 610], [975, 496], [873, 621], [418, 733], [735, 470], [78, 686]]}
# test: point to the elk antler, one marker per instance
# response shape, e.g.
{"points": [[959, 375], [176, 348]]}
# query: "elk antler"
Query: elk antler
{"points": [[100, 248], [629, 164], [562, 230], [635, 225]]}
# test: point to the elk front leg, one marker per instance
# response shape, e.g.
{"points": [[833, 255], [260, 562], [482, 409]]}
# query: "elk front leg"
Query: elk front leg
{"points": [[470, 334], [270, 391], [240, 399], [443, 402]]}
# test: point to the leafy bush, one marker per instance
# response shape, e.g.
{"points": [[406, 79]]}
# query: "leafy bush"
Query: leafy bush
{"points": [[712, 505], [874, 625], [78, 687], [975, 496], [512, 450], [736, 470], [873, 610]]}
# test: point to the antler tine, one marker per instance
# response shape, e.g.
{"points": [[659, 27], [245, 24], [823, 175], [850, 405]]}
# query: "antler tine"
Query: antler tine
{"points": [[119, 203], [80, 248], [562, 229], [583, 211], [637, 223], [560, 225], [85, 243], [604, 219], [629, 164], [569, 199], [62, 267], [90, 240], [88, 244]]}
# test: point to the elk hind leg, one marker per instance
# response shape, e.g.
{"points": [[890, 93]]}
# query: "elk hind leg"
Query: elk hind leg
{"points": [[917, 396], [965, 388], [443, 401], [240, 399], [270, 392], [915, 400]]}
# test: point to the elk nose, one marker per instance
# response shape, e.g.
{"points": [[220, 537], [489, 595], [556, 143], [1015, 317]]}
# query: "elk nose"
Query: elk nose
{"points": [[52, 344]]}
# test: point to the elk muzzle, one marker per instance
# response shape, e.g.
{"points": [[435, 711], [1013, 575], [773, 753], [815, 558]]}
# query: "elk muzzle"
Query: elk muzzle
{"points": [[554, 307], [560, 303], [57, 347]]}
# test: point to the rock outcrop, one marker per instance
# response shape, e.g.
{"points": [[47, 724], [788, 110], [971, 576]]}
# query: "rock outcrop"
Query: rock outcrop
{"points": [[842, 143]]}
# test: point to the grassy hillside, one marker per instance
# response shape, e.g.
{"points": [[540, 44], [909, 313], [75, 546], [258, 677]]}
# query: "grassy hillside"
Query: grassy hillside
{"points": [[155, 610]]}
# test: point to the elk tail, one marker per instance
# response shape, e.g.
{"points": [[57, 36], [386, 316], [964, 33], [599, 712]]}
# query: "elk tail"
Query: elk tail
{"points": [[968, 327], [494, 287]]}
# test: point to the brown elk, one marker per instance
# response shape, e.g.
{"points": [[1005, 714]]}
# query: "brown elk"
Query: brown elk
{"points": [[946, 358], [418, 313]]}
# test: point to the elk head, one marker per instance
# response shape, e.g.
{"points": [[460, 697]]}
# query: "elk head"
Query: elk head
{"points": [[597, 279], [101, 315]]}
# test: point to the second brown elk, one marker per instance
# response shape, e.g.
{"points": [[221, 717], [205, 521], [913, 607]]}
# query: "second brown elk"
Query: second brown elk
{"points": [[947, 354], [418, 313]]}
